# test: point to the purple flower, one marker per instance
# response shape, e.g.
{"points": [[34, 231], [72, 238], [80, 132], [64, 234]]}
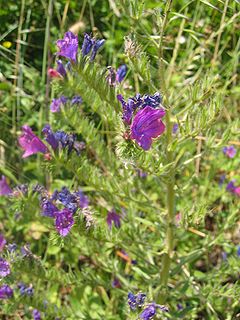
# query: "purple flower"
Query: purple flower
{"points": [[150, 311], [153, 101], [231, 186], [179, 306], [4, 268], [4, 187], [115, 218], [229, 151], [121, 73], [147, 125], [31, 143], [5, 292], [116, 283], [96, 46], [36, 314], [49, 136], [81, 199], [137, 300], [87, 44], [68, 46], [64, 222], [12, 247], [61, 69], [141, 173], [24, 290], [65, 140], [175, 128], [57, 103], [2, 242], [48, 208], [76, 100], [221, 180]]}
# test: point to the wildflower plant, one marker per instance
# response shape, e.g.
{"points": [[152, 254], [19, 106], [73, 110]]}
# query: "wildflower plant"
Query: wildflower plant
{"points": [[126, 218]]}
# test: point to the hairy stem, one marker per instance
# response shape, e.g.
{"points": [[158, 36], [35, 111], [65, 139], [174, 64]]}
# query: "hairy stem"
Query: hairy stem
{"points": [[166, 261]]}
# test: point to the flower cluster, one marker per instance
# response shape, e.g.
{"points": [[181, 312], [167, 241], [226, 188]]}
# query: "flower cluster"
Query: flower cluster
{"points": [[63, 218], [4, 268], [62, 140], [147, 123], [25, 290], [60, 102], [91, 45], [5, 292], [137, 302]]}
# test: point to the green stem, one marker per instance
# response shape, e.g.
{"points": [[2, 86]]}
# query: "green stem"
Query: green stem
{"points": [[166, 261]]}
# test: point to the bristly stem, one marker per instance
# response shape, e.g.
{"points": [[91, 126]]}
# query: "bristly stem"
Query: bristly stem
{"points": [[166, 261]]}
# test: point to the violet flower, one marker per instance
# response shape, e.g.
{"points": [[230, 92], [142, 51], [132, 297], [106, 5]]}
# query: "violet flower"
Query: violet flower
{"points": [[4, 268], [48, 208], [121, 73], [115, 218], [56, 104], [147, 125], [229, 151], [2, 242], [96, 46], [5, 292], [87, 44], [76, 100], [61, 69], [50, 137], [81, 199], [4, 187], [175, 128], [64, 222], [150, 311], [137, 300], [36, 314], [30, 142], [68, 46]]}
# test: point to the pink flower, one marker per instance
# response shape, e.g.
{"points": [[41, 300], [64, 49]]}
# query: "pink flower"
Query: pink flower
{"points": [[236, 191], [30, 143], [146, 125]]}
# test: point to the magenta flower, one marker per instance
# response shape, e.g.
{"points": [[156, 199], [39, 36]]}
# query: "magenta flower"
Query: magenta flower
{"points": [[68, 46], [5, 292], [115, 218], [147, 125], [237, 191], [4, 187], [229, 151], [2, 242], [4, 268], [31, 143], [64, 222]]}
